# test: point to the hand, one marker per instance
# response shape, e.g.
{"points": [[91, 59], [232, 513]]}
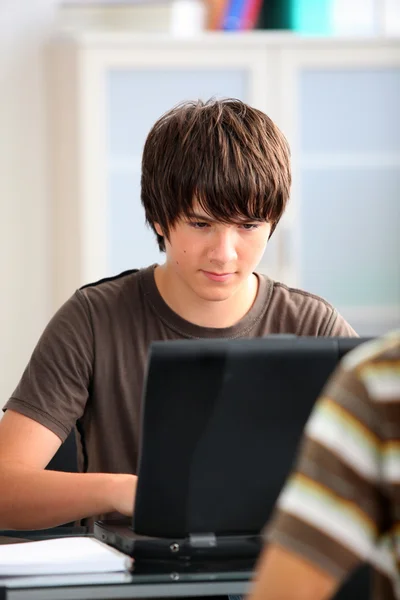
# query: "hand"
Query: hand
{"points": [[123, 493]]}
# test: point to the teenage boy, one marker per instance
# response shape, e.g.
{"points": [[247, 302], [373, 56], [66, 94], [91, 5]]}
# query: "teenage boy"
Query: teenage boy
{"points": [[215, 183]]}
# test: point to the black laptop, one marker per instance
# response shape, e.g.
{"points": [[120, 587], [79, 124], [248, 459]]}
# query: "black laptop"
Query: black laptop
{"points": [[221, 423]]}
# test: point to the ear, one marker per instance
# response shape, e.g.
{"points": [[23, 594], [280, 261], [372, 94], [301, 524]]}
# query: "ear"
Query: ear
{"points": [[158, 229]]}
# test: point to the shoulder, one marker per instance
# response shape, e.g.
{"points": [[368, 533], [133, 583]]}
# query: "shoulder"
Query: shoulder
{"points": [[376, 365], [382, 350], [304, 313], [114, 292], [109, 286], [299, 297]]}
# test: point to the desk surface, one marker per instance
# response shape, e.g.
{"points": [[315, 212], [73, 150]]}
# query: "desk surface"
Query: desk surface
{"points": [[161, 580]]}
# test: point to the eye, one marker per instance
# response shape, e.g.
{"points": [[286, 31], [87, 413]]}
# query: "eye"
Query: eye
{"points": [[199, 224], [250, 226]]}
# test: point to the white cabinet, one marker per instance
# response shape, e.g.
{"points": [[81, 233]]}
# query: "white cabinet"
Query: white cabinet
{"points": [[336, 100]]}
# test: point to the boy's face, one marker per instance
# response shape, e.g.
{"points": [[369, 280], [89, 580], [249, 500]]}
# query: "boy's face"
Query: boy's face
{"points": [[214, 259]]}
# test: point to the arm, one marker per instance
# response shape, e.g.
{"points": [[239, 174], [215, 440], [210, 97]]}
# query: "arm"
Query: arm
{"points": [[49, 399], [282, 575], [35, 498]]}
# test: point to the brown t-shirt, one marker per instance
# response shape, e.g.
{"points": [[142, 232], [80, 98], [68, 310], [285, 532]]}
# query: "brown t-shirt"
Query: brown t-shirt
{"points": [[89, 364]]}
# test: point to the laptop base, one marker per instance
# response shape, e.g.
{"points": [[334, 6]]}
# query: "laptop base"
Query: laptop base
{"points": [[198, 547]]}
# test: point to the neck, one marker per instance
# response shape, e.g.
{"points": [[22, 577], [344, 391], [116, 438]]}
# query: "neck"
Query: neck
{"points": [[205, 313]]}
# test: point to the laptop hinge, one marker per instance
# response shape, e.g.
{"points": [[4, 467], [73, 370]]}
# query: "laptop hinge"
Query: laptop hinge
{"points": [[202, 540]]}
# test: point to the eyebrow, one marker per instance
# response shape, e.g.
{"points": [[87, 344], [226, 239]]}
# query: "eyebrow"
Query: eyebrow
{"points": [[197, 217]]}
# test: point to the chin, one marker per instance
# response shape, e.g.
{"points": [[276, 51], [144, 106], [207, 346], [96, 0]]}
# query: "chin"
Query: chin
{"points": [[214, 295]]}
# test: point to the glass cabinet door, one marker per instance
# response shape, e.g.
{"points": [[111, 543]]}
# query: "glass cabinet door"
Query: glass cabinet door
{"points": [[349, 192]]}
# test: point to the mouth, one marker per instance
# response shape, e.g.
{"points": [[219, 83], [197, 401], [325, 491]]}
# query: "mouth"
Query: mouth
{"points": [[217, 276]]}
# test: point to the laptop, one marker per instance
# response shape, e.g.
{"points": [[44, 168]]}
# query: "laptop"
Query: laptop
{"points": [[221, 423]]}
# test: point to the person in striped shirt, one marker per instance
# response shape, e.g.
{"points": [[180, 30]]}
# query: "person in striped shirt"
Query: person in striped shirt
{"points": [[340, 506]]}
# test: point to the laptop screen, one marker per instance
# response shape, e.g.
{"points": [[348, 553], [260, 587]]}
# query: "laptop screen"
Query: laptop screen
{"points": [[221, 423]]}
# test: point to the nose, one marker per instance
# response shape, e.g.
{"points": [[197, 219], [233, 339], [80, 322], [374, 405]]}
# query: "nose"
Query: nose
{"points": [[223, 246]]}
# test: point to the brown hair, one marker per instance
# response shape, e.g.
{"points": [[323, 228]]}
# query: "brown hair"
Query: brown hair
{"points": [[228, 156]]}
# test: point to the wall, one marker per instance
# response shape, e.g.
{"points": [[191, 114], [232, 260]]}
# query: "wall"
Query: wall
{"points": [[25, 213]]}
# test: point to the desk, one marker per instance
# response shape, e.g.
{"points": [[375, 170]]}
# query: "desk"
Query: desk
{"points": [[146, 581]]}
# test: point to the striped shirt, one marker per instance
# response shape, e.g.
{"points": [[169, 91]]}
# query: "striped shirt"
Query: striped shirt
{"points": [[341, 504]]}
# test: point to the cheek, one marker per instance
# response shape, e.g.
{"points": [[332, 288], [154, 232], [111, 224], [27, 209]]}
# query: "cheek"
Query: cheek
{"points": [[183, 255], [254, 249], [262, 240], [189, 248]]}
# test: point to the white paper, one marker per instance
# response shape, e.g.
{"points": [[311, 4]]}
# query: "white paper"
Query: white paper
{"points": [[43, 581], [61, 555]]}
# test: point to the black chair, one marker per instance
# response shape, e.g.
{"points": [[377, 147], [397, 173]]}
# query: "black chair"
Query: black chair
{"points": [[357, 586], [65, 459]]}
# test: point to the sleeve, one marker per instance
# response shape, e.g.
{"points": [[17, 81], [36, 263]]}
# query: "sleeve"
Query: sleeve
{"points": [[339, 327], [331, 510], [54, 387]]}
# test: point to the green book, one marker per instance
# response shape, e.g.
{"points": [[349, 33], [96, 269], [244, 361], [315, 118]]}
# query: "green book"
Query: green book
{"points": [[310, 17]]}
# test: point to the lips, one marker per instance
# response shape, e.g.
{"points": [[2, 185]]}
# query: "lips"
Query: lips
{"points": [[218, 276]]}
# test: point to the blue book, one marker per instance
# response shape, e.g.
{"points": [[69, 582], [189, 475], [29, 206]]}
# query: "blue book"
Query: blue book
{"points": [[234, 19]]}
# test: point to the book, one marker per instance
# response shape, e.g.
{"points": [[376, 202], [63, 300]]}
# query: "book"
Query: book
{"points": [[233, 18], [61, 556], [276, 14], [215, 14], [252, 13]]}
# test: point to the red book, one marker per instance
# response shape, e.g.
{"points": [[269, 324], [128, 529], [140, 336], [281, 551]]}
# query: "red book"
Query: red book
{"points": [[252, 12]]}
